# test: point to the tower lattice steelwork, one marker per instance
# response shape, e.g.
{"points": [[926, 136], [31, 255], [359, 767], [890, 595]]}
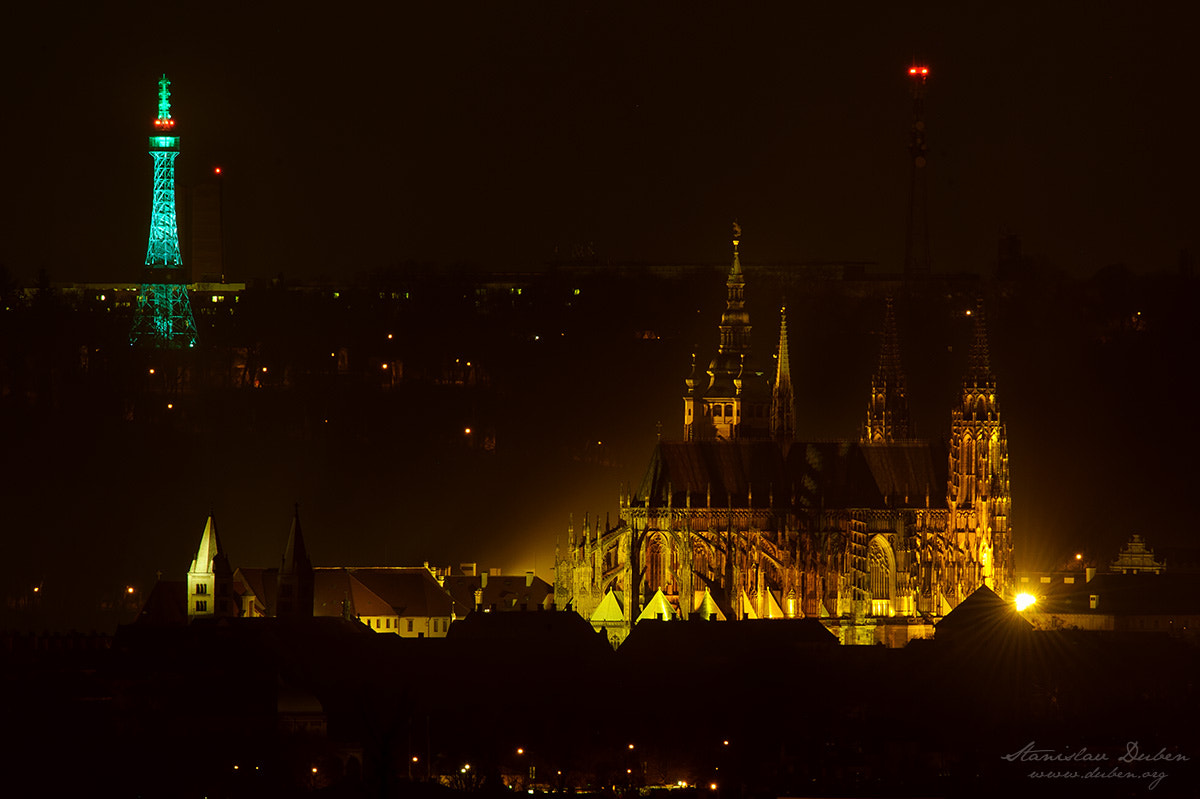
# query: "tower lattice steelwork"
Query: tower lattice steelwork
{"points": [[163, 318], [916, 250]]}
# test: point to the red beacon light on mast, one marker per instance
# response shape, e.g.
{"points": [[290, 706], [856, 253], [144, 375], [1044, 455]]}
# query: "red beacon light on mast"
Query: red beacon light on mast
{"points": [[919, 72]]}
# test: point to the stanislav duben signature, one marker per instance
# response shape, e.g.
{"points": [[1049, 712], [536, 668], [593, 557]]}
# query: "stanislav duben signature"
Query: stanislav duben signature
{"points": [[1029, 753]]}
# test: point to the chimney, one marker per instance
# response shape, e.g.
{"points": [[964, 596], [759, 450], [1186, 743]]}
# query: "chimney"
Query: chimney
{"points": [[483, 577]]}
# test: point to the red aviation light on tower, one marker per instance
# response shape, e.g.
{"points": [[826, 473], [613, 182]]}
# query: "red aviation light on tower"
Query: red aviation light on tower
{"points": [[918, 72]]}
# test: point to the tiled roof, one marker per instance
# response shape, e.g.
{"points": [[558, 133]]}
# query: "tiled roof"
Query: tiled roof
{"points": [[166, 605], [502, 592]]}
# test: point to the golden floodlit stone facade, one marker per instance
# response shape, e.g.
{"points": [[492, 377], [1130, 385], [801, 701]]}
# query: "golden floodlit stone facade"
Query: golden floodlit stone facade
{"points": [[878, 537]]}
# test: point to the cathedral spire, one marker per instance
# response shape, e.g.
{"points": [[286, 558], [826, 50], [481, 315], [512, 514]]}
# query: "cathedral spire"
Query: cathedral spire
{"points": [[979, 367], [783, 399], [887, 412], [296, 582]]}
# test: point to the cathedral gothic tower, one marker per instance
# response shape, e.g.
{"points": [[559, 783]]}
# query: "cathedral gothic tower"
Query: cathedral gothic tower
{"points": [[733, 402], [887, 412], [978, 490]]}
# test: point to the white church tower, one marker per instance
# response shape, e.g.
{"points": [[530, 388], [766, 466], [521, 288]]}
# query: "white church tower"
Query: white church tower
{"points": [[210, 580]]}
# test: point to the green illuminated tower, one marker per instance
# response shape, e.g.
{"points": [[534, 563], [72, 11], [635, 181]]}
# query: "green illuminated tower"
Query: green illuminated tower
{"points": [[163, 319]]}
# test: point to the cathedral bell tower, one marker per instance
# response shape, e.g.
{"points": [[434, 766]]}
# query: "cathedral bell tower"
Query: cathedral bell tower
{"points": [[733, 402]]}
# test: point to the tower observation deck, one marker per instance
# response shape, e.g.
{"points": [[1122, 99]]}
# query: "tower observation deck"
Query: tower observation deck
{"points": [[163, 317]]}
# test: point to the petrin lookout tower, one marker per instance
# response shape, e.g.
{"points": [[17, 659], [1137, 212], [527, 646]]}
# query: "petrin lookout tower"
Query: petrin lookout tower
{"points": [[163, 318]]}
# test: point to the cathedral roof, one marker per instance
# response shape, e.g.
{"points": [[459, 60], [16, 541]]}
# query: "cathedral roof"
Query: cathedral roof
{"points": [[833, 474], [906, 469]]}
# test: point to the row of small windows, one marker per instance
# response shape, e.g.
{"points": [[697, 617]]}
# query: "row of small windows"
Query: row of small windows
{"points": [[727, 410], [387, 624]]}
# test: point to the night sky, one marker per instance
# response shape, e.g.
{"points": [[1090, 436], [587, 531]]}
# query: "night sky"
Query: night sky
{"points": [[506, 134], [509, 136]]}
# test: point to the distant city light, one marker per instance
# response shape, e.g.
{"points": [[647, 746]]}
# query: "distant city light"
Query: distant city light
{"points": [[712, 786], [383, 366], [389, 336], [129, 589], [1078, 556], [37, 588], [968, 312], [414, 758], [631, 746], [520, 751], [264, 368], [1025, 600], [152, 371], [170, 406], [467, 431], [217, 170]]}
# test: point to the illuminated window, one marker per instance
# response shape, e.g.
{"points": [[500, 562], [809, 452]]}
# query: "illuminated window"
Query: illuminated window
{"points": [[435, 625], [655, 577], [201, 589], [201, 606], [716, 409], [410, 625], [729, 410]]}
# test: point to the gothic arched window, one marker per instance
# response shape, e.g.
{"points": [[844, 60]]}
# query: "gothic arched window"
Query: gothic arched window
{"points": [[655, 568]]}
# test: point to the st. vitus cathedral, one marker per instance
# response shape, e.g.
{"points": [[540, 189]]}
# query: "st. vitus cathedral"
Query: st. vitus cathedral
{"points": [[742, 521]]}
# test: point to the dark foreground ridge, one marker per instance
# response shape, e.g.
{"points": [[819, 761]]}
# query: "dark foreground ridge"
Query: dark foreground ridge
{"points": [[517, 702]]}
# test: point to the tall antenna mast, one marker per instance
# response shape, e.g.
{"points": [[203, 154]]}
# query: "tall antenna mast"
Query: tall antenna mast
{"points": [[916, 246]]}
